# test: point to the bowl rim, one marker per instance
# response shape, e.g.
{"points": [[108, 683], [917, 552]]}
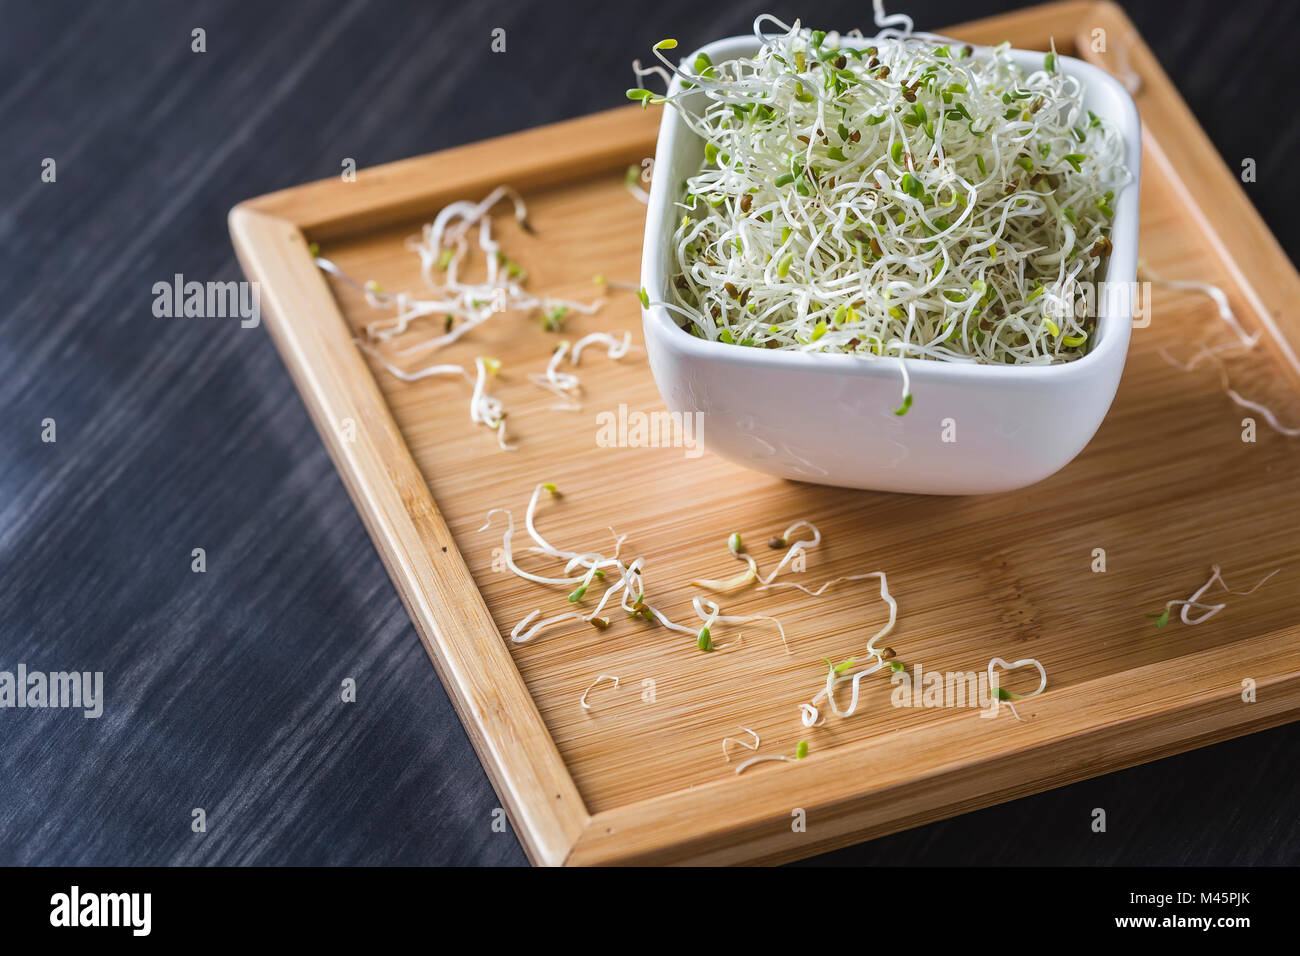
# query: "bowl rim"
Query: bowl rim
{"points": [[1114, 325]]}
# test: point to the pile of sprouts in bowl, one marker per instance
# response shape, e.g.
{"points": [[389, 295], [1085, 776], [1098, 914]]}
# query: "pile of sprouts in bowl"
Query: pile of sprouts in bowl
{"points": [[900, 196]]}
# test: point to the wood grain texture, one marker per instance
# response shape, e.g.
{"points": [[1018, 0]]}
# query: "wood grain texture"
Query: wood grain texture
{"points": [[1003, 575], [223, 689]]}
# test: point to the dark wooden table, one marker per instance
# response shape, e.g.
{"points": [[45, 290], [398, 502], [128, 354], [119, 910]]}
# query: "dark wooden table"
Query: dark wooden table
{"points": [[174, 434]]}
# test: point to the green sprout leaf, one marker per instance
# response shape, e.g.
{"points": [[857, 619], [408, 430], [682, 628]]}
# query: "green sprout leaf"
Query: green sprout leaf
{"points": [[1162, 618], [705, 641]]}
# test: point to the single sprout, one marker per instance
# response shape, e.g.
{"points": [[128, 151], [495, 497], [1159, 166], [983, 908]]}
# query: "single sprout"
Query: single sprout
{"points": [[748, 745], [1001, 694], [484, 409], [800, 752], [1244, 342], [567, 385], [742, 767], [709, 612], [809, 713], [796, 549], [1194, 602], [736, 549], [583, 699], [632, 182]]}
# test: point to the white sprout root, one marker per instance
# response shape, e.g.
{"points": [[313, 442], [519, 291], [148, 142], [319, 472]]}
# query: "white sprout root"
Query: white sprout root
{"points": [[1244, 342], [1194, 602], [583, 699], [890, 197], [567, 385], [800, 752], [751, 574], [747, 744], [745, 765], [809, 714], [709, 612], [633, 182], [737, 550], [483, 408], [1004, 697]]}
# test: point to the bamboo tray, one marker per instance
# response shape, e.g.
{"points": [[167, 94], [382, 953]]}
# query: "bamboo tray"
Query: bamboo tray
{"points": [[1167, 488]]}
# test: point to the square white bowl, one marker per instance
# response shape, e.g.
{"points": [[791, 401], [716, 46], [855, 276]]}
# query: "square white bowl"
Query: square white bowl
{"points": [[827, 418]]}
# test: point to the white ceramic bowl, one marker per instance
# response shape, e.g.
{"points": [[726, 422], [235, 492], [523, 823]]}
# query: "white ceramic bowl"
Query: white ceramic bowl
{"points": [[972, 429]]}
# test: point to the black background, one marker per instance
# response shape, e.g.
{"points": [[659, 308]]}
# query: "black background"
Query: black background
{"points": [[222, 687]]}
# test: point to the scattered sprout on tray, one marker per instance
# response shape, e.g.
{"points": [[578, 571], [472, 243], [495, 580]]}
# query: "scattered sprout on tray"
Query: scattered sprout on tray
{"points": [[1243, 342], [583, 699], [1004, 696], [583, 569], [567, 385], [747, 744], [800, 752], [484, 409], [1194, 602], [458, 306]]}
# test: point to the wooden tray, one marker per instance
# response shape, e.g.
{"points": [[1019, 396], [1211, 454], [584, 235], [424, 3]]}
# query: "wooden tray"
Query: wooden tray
{"points": [[1166, 488]]}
